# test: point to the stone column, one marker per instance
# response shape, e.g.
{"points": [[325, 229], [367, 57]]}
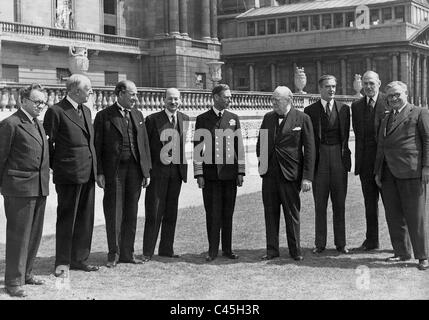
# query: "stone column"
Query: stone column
{"points": [[343, 77], [205, 20], [417, 81], [394, 67], [173, 18], [122, 27], [165, 15], [368, 63], [230, 76], [251, 77], [1, 68], [319, 71], [161, 28], [183, 12], [273, 76], [213, 20], [404, 63], [424, 82]]}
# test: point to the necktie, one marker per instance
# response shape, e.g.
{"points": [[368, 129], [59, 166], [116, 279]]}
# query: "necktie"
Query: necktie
{"points": [[328, 110], [173, 121], [79, 111], [35, 122], [127, 115], [219, 115], [371, 103], [391, 120]]}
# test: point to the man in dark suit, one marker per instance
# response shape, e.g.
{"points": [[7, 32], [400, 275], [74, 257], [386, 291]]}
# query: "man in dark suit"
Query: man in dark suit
{"points": [[367, 114], [402, 172], [73, 161], [24, 184], [167, 131], [331, 127], [123, 164], [286, 152], [219, 168]]}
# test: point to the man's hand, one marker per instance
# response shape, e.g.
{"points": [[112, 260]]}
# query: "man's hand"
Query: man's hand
{"points": [[146, 182], [200, 181], [101, 181], [240, 180], [305, 185], [425, 175], [378, 181]]}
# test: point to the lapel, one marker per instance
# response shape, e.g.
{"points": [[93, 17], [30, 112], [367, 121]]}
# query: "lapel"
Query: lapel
{"points": [[340, 118], [71, 113], [290, 122], [319, 111], [29, 127], [400, 118], [180, 122], [116, 117], [224, 121], [134, 119], [162, 122]]}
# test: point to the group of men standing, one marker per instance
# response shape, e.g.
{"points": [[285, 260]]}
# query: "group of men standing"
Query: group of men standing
{"points": [[122, 152]]}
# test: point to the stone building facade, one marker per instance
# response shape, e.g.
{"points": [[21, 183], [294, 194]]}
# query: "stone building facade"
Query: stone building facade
{"points": [[154, 43]]}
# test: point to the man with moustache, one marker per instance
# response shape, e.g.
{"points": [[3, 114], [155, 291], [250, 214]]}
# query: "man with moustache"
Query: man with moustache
{"points": [[123, 160], [402, 173], [331, 127], [73, 161], [286, 152], [24, 184], [220, 170], [167, 131], [367, 114]]}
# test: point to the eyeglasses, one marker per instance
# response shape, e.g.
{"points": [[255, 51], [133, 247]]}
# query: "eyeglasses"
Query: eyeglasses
{"points": [[395, 95], [39, 103]]}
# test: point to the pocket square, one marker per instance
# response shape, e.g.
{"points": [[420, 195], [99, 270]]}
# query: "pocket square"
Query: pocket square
{"points": [[232, 122], [141, 122], [296, 129]]}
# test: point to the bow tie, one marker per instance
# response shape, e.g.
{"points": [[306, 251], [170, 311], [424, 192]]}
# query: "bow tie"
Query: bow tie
{"points": [[282, 116]]}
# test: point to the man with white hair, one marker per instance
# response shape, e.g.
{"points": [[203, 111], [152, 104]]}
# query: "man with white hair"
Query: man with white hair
{"points": [[70, 133], [402, 173], [286, 153], [367, 114]]}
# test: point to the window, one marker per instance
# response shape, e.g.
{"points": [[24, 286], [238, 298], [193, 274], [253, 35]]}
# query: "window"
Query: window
{"points": [[242, 82], [251, 29], [400, 13], [303, 23], [293, 24], [338, 20], [63, 74], [111, 78], [374, 18], [350, 19], [386, 14], [10, 73], [271, 26], [64, 14], [261, 28], [282, 25], [109, 29], [326, 21], [315, 22], [110, 6]]}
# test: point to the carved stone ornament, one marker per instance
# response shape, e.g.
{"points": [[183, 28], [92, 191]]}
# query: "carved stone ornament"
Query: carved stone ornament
{"points": [[300, 80], [78, 60]]}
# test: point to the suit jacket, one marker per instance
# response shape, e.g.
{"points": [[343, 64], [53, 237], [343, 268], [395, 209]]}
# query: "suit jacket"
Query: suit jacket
{"points": [[358, 111], [219, 164], [315, 112], [287, 146], [108, 141], [405, 147], [24, 158], [71, 144], [156, 123]]}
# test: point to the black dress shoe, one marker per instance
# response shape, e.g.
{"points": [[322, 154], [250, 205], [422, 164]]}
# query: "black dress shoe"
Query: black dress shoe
{"points": [[146, 259], [318, 250], [84, 267], [210, 258], [34, 281], [298, 258], [16, 291], [62, 271], [423, 264], [343, 250], [230, 255], [111, 264], [169, 255], [397, 259], [269, 257], [132, 261]]}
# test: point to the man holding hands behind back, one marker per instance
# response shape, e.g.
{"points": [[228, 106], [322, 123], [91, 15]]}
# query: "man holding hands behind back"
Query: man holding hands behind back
{"points": [[286, 152]]}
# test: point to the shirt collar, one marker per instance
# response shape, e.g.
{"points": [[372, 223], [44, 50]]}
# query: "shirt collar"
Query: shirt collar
{"points": [[73, 103], [169, 114], [28, 115], [374, 98], [401, 108], [324, 102], [217, 111]]}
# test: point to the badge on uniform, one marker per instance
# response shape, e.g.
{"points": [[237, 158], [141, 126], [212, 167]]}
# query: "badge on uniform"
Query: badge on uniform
{"points": [[232, 122]]}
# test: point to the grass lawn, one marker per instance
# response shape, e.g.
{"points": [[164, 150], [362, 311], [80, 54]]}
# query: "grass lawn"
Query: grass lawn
{"points": [[327, 276]]}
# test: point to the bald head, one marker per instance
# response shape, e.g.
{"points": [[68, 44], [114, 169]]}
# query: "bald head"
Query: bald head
{"points": [[172, 99], [371, 83], [282, 99], [79, 88]]}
